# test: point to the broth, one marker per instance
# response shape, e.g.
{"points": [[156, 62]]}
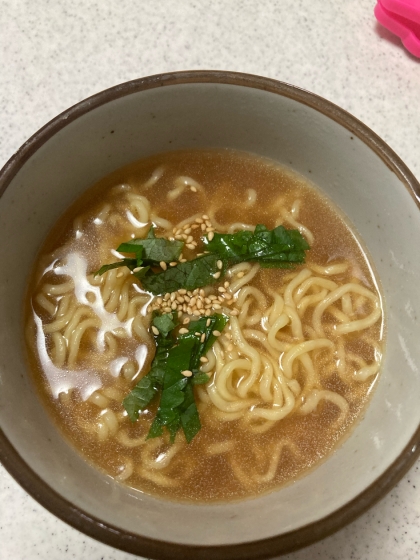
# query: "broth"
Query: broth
{"points": [[231, 457]]}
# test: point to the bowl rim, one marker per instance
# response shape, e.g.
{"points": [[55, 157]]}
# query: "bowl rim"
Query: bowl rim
{"points": [[254, 550]]}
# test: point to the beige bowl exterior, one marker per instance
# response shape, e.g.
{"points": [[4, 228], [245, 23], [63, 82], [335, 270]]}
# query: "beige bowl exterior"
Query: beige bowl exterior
{"points": [[356, 169]]}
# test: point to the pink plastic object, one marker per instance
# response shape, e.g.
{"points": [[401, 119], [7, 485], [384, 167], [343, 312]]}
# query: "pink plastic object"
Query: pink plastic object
{"points": [[402, 17], [409, 9]]}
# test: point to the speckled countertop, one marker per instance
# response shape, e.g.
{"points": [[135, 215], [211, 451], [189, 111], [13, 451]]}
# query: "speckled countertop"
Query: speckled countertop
{"points": [[53, 54]]}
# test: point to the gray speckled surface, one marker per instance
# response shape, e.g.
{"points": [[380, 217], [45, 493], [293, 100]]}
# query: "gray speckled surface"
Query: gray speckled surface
{"points": [[53, 54]]}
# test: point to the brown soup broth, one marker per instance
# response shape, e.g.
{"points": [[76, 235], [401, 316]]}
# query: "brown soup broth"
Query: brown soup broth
{"points": [[226, 178]]}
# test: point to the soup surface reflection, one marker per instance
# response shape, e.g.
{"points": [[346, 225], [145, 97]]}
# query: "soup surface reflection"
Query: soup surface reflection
{"points": [[289, 374]]}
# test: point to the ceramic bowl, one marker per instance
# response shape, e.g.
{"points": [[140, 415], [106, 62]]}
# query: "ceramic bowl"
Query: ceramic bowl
{"points": [[354, 167]]}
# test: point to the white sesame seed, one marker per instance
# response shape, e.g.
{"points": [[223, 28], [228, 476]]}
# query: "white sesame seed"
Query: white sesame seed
{"points": [[196, 312], [190, 239], [221, 289], [120, 274], [173, 263], [199, 304], [163, 265], [209, 224], [217, 306], [155, 330], [182, 260], [216, 275], [174, 306], [173, 296], [179, 314], [185, 226], [203, 359], [205, 217], [182, 291], [208, 322], [240, 274], [226, 284], [183, 331], [186, 321], [190, 246], [167, 296], [188, 229], [219, 265], [203, 227], [199, 220], [203, 337], [194, 189], [234, 312], [195, 226], [167, 309], [217, 333], [186, 373], [137, 269], [208, 312], [210, 235], [230, 348], [180, 299]]}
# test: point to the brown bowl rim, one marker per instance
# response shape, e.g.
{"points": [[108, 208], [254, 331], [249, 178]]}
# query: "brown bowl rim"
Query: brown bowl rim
{"points": [[254, 550]]}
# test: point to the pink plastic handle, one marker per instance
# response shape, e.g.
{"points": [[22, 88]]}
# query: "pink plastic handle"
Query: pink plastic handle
{"points": [[407, 30], [409, 9]]}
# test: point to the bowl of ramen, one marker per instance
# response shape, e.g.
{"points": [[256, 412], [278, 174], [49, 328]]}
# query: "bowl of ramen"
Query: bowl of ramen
{"points": [[210, 313]]}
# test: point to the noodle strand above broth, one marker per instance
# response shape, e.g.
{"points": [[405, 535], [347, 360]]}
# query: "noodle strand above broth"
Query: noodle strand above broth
{"points": [[287, 375]]}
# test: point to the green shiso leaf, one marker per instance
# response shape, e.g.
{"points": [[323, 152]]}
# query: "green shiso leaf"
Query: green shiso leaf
{"points": [[175, 354]]}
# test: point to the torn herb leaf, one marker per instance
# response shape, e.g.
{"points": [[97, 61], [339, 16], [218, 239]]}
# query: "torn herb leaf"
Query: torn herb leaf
{"points": [[200, 378], [165, 323], [148, 252], [189, 275], [206, 326], [175, 354], [140, 397], [190, 420], [154, 249], [277, 248], [149, 385]]}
